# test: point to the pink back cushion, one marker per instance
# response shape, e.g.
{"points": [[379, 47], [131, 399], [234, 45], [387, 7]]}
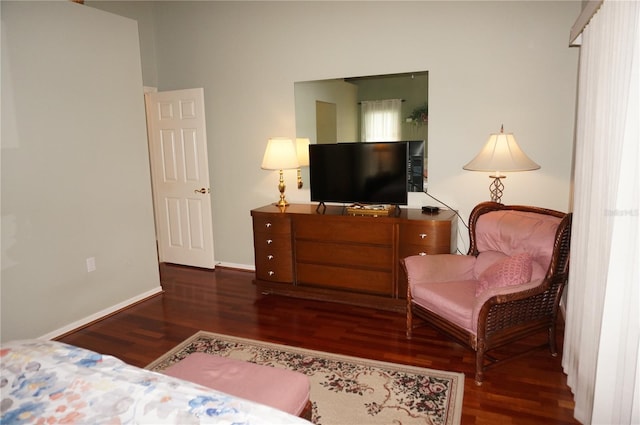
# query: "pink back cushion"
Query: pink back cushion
{"points": [[513, 232], [485, 260], [488, 258]]}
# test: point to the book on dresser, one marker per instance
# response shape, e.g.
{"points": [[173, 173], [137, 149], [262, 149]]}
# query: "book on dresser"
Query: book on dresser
{"points": [[329, 254]]}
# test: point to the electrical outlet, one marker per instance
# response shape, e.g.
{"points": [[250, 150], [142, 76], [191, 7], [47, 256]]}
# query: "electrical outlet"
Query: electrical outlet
{"points": [[91, 264]]}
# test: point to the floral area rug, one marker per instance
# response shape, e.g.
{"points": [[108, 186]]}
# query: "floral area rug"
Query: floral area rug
{"points": [[345, 390]]}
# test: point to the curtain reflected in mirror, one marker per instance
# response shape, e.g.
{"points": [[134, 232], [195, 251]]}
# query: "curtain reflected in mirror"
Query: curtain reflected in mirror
{"points": [[381, 120], [391, 107]]}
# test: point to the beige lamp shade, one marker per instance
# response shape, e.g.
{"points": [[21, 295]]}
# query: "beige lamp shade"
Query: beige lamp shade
{"points": [[302, 149], [280, 154], [501, 153]]}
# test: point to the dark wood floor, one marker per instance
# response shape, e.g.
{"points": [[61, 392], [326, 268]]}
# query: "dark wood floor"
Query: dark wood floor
{"points": [[529, 390]]}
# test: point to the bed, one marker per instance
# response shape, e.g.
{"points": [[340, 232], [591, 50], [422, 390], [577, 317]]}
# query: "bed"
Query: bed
{"points": [[46, 382]]}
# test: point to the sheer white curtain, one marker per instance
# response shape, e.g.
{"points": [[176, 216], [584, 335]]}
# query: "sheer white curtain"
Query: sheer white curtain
{"points": [[381, 120], [602, 331]]}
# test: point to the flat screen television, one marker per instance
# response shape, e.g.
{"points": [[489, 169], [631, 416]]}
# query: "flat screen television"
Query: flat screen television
{"points": [[366, 173]]}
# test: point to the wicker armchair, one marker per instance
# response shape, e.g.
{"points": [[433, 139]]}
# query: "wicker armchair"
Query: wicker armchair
{"points": [[506, 288]]}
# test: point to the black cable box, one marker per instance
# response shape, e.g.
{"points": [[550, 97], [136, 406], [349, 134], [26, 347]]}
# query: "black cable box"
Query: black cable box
{"points": [[430, 210]]}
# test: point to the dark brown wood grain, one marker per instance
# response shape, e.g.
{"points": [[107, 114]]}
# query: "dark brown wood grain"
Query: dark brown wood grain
{"points": [[528, 390]]}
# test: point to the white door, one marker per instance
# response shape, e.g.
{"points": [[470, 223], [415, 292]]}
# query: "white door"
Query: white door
{"points": [[180, 177]]}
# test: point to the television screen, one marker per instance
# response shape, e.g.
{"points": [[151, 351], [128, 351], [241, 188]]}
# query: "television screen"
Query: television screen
{"points": [[367, 173]]}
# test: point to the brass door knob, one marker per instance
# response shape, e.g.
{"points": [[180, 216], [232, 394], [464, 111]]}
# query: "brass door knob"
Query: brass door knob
{"points": [[203, 190]]}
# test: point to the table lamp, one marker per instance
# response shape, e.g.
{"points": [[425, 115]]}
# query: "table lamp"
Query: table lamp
{"points": [[500, 154], [280, 154]]}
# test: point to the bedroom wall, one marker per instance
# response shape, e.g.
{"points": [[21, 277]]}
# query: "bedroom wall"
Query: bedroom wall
{"points": [[75, 174], [489, 63], [143, 13]]}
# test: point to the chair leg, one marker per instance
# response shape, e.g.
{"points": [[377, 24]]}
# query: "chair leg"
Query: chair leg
{"points": [[409, 316], [552, 340], [480, 364], [409, 321]]}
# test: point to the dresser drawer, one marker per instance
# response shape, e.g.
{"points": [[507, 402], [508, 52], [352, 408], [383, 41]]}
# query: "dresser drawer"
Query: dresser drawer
{"points": [[356, 230], [273, 254], [274, 268], [267, 243], [274, 257], [274, 224], [432, 237], [348, 255], [409, 250], [273, 248], [365, 281], [274, 260]]}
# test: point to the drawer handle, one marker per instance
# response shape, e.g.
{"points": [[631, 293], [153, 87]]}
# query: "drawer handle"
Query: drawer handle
{"points": [[269, 241], [271, 273], [422, 235], [267, 225], [422, 254], [269, 257]]}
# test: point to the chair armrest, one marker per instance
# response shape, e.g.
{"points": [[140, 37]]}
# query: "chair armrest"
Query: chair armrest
{"points": [[498, 295], [439, 268]]}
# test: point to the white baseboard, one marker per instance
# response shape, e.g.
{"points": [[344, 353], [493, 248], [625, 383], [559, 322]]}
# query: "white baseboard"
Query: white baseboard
{"points": [[101, 314], [246, 267], [113, 309]]}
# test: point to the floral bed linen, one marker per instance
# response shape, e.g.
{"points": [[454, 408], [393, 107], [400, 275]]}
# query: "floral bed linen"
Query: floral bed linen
{"points": [[48, 382]]}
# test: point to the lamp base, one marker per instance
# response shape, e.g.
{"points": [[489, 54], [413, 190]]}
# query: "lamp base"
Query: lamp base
{"points": [[281, 186], [282, 203], [300, 183], [496, 188]]}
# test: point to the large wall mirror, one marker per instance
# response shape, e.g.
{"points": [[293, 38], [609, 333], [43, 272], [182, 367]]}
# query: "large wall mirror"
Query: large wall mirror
{"points": [[357, 109]]}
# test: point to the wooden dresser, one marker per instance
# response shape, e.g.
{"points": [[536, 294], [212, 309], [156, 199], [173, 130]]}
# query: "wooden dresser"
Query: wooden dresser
{"points": [[333, 256]]}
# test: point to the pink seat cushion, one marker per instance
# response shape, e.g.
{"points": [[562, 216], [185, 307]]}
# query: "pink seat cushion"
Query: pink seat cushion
{"points": [[280, 388], [453, 300]]}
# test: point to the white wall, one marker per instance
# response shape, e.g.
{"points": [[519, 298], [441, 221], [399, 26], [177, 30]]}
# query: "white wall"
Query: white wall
{"points": [[489, 63], [143, 13], [75, 174]]}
